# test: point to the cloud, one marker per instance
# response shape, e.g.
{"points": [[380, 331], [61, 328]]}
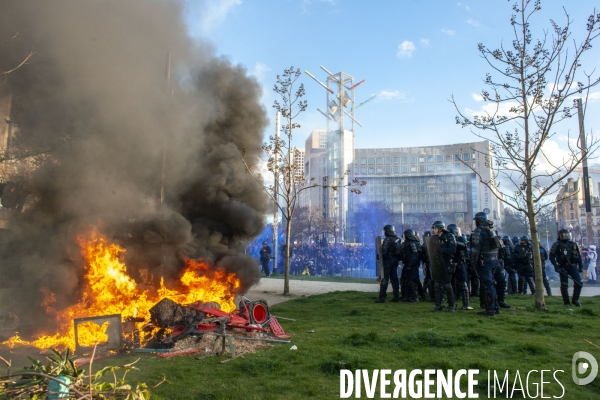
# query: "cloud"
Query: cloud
{"points": [[387, 94], [260, 70], [466, 7], [448, 32], [594, 96], [473, 22], [215, 12], [425, 42], [476, 97], [306, 4], [406, 49]]}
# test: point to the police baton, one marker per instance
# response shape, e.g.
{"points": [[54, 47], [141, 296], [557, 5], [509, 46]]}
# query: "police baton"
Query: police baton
{"points": [[560, 271]]}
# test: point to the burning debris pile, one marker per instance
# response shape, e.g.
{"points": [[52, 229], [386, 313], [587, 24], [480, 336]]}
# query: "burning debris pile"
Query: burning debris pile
{"points": [[156, 317], [153, 168]]}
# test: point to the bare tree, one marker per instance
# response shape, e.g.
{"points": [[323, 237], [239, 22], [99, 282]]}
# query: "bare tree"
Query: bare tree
{"points": [[530, 89], [281, 161]]}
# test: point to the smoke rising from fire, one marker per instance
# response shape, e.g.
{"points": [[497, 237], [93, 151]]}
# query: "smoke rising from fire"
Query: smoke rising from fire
{"points": [[95, 93]]}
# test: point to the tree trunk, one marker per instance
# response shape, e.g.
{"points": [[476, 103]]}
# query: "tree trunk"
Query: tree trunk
{"points": [[540, 304], [286, 265]]}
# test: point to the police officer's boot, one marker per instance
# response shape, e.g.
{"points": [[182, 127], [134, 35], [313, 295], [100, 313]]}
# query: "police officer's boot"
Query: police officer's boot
{"points": [[487, 304], [438, 297], [531, 284], [451, 299], [547, 286], [382, 293], [576, 292], [464, 292], [420, 291], [500, 293], [564, 292]]}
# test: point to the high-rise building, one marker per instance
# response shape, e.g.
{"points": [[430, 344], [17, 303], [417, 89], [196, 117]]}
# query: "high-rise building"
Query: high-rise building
{"points": [[419, 184]]}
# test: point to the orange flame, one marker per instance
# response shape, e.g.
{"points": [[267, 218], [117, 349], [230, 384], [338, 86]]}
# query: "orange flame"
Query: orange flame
{"points": [[108, 289]]}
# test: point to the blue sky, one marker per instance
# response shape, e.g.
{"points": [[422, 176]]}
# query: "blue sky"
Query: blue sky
{"points": [[414, 54]]}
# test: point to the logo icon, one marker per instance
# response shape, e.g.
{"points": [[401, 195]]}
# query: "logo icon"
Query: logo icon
{"points": [[590, 365]]}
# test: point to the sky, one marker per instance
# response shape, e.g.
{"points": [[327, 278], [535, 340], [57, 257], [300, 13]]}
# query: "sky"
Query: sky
{"points": [[414, 55]]}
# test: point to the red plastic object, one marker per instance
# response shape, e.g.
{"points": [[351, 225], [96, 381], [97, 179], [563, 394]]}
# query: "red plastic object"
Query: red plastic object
{"points": [[277, 330], [259, 313]]}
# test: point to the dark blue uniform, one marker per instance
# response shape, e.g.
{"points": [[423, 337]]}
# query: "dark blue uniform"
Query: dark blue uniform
{"points": [[484, 256], [566, 259]]}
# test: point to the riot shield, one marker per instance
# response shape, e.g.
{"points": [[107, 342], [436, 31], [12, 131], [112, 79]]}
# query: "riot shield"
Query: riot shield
{"points": [[378, 258], [437, 266]]}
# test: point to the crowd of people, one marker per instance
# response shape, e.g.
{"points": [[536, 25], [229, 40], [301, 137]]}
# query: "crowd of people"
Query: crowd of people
{"points": [[483, 265], [317, 259]]}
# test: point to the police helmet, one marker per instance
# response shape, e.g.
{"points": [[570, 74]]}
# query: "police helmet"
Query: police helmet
{"points": [[525, 238], [389, 230], [506, 239], [515, 240], [410, 234], [481, 218], [564, 234], [454, 229], [426, 234], [438, 224]]}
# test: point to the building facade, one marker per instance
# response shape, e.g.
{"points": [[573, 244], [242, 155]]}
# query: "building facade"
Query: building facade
{"points": [[417, 183]]}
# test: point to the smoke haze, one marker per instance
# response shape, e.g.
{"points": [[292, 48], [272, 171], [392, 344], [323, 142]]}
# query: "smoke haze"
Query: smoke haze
{"points": [[95, 92]]}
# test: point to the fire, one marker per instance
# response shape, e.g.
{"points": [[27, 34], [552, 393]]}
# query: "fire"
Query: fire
{"points": [[108, 289]]}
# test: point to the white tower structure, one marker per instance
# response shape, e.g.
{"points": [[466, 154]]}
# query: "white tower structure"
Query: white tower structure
{"points": [[340, 108]]}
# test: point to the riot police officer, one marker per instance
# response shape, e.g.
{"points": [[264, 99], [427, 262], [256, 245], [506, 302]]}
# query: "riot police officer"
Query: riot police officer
{"points": [[389, 250], [412, 254], [566, 259], [509, 264], [523, 261], [448, 248], [498, 271], [427, 282], [544, 258], [460, 265], [484, 256]]}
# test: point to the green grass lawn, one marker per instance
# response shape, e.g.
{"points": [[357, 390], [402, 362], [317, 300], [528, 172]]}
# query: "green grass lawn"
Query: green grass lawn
{"points": [[352, 332]]}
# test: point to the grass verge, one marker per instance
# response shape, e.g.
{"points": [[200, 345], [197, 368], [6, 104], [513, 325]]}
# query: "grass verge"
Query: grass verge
{"points": [[352, 332]]}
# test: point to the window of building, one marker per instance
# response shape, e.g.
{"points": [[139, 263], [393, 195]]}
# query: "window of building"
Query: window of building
{"points": [[473, 156], [448, 158], [457, 166], [430, 168], [371, 161], [570, 206], [413, 169], [397, 170], [466, 156], [439, 167], [421, 159], [421, 168], [404, 169], [429, 158], [457, 157], [371, 170], [404, 160], [466, 166], [597, 211], [582, 212], [379, 170], [363, 170], [387, 161], [572, 216], [379, 161], [388, 170], [439, 158], [396, 160], [363, 161], [448, 167]]}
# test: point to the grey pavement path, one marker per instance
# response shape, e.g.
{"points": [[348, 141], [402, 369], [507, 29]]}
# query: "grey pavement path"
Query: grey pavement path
{"points": [[271, 289]]}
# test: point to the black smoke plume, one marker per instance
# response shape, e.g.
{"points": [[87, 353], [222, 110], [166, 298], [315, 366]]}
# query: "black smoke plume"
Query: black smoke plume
{"points": [[95, 96]]}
